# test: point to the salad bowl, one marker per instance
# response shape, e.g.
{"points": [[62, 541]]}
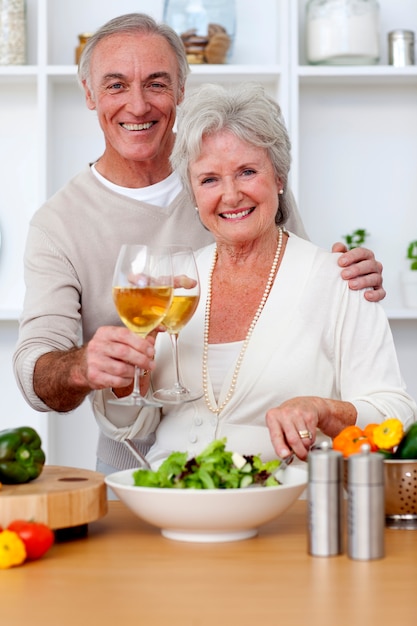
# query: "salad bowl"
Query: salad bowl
{"points": [[209, 515]]}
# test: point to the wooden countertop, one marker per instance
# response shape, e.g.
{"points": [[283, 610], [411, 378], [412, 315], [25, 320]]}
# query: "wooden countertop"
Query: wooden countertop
{"points": [[124, 572]]}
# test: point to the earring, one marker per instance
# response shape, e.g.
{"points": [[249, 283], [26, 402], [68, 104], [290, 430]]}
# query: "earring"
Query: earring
{"points": [[196, 208], [281, 191]]}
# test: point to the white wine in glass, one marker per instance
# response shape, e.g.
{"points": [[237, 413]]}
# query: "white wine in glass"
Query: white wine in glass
{"points": [[183, 305], [142, 294]]}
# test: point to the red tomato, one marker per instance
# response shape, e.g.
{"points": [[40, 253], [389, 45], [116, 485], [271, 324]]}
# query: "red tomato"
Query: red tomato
{"points": [[37, 537]]}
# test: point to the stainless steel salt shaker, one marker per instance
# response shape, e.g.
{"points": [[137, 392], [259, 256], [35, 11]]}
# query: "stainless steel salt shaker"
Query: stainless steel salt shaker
{"points": [[366, 505], [325, 501], [401, 48]]}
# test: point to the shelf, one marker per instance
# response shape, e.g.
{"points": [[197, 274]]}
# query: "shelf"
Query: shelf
{"points": [[401, 314], [370, 74], [332, 73], [205, 71], [18, 74], [232, 73], [10, 315], [268, 75], [240, 70]]}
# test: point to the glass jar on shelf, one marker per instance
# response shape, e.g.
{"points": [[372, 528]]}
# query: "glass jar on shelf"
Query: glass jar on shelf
{"points": [[206, 27], [82, 40], [342, 32], [12, 32]]}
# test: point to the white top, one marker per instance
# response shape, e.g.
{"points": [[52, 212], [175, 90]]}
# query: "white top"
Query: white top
{"points": [[220, 358], [159, 194]]}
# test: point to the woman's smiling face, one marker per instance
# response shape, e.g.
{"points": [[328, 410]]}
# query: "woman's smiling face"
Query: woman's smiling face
{"points": [[235, 188]]}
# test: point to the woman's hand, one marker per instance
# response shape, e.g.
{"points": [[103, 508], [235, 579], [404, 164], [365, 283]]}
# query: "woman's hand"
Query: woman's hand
{"points": [[362, 271], [293, 425]]}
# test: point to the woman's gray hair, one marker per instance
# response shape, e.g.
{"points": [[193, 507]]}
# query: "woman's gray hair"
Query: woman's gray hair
{"points": [[134, 23], [250, 114]]}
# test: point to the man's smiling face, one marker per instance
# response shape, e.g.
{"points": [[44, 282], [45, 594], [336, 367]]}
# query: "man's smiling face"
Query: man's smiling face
{"points": [[134, 89]]}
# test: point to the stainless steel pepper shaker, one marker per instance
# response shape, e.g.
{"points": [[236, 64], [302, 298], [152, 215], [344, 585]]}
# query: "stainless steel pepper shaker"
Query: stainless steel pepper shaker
{"points": [[325, 501], [366, 505], [401, 48]]}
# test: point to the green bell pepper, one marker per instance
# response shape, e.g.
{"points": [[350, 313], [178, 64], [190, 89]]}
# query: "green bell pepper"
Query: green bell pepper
{"points": [[407, 448], [21, 456]]}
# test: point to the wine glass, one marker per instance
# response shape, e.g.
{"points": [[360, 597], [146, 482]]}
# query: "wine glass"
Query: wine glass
{"points": [[183, 305], [142, 294]]}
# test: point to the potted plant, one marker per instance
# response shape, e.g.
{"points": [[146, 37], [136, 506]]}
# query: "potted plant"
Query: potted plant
{"points": [[356, 238], [412, 255], [409, 277]]}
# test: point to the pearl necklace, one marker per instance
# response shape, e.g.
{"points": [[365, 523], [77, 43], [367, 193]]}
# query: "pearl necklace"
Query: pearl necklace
{"points": [[269, 282]]}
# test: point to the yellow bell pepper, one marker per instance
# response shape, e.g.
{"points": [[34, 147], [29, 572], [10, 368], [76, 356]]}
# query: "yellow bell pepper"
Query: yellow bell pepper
{"points": [[388, 434], [12, 549]]}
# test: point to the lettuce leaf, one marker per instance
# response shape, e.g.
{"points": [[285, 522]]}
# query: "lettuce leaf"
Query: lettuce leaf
{"points": [[214, 468]]}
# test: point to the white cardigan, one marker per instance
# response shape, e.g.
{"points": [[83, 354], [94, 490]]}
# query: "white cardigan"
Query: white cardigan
{"points": [[314, 337]]}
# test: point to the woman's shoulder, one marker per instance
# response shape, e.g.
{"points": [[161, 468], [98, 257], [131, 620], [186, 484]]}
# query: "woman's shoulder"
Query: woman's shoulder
{"points": [[312, 265], [298, 245]]}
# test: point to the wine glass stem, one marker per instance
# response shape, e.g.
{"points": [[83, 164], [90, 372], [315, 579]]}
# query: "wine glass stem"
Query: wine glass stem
{"points": [[136, 382], [174, 342]]}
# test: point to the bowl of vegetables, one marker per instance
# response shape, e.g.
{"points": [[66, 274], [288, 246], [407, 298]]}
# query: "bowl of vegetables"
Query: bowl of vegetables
{"points": [[216, 496], [399, 448]]}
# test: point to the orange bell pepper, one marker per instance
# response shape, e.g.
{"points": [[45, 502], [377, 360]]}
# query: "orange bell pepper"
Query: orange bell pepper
{"points": [[350, 440], [368, 431]]}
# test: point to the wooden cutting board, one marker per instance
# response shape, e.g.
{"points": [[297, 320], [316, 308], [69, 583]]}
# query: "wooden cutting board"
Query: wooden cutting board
{"points": [[61, 497]]}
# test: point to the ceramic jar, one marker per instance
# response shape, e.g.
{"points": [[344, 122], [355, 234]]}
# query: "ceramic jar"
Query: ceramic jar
{"points": [[12, 32], [342, 32], [82, 39]]}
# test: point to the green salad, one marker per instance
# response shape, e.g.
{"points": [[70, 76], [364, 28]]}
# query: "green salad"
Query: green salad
{"points": [[214, 468]]}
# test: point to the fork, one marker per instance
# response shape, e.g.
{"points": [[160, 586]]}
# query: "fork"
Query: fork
{"points": [[138, 455]]}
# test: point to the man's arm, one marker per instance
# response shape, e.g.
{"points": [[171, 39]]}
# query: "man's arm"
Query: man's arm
{"points": [[62, 379], [57, 379]]}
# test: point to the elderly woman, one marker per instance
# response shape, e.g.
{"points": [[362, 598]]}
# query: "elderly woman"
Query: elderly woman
{"points": [[284, 351]]}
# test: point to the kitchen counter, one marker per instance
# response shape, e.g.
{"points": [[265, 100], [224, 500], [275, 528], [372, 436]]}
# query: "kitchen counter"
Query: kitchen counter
{"points": [[124, 572]]}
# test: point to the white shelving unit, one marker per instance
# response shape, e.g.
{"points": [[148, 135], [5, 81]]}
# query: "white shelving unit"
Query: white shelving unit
{"points": [[356, 147], [353, 129]]}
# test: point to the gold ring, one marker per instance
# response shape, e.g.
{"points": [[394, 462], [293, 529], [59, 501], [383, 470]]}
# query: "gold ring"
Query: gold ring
{"points": [[305, 434]]}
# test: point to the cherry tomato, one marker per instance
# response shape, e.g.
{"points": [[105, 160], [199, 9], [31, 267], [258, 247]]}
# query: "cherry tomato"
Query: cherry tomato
{"points": [[37, 537]]}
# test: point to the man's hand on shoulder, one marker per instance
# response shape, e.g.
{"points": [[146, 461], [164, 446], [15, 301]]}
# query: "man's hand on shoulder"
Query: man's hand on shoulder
{"points": [[361, 270]]}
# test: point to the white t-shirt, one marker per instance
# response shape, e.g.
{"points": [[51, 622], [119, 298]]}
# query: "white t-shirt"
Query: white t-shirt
{"points": [[160, 194]]}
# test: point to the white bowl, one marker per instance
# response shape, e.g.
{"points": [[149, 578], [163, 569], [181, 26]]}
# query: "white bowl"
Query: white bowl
{"points": [[209, 515]]}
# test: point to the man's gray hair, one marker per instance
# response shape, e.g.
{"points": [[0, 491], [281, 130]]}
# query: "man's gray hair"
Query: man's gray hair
{"points": [[134, 23]]}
